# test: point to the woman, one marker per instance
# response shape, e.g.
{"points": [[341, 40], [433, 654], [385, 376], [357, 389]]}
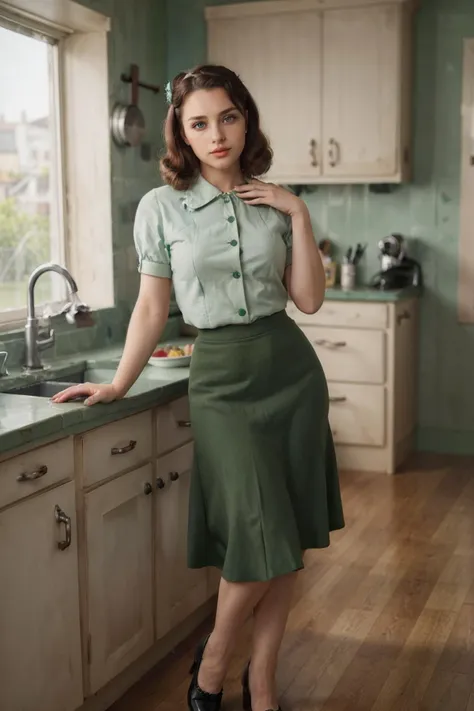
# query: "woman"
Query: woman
{"points": [[265, 485]]}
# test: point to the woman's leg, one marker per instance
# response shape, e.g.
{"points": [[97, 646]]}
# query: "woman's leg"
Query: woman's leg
{"points": [[235, 604], [270, 618]]}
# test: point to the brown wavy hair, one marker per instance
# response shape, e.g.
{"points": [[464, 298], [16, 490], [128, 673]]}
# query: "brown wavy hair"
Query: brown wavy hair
{"points": [[180, 167]]}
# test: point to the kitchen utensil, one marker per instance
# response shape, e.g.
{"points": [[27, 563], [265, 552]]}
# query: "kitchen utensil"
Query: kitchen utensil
{"points": [[127, 122], [359, 251]]}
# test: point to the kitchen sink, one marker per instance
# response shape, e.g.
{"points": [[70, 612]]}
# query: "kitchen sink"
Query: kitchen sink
{"points": [[48, 388]]}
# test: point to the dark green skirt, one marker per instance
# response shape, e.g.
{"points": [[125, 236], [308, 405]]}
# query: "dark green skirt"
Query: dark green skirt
{"points": [[264, 485]]}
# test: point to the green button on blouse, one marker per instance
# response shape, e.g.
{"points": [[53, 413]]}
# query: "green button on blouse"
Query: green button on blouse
{"points": [[182, 235]]}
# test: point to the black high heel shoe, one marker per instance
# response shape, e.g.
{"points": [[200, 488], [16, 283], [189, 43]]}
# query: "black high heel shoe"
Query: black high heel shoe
{"points": [[246, 696], [199, 700]]}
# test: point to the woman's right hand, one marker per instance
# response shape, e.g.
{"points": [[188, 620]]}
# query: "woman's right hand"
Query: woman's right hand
{"points": [[93, 392]]}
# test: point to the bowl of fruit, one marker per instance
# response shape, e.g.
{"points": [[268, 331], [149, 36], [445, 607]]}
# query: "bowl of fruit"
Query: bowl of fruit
{"points": [[172, 356]]}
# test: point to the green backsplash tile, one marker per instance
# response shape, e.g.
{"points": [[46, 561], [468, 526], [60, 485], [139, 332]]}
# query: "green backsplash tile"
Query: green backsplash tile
{"points": [[426, 211]]}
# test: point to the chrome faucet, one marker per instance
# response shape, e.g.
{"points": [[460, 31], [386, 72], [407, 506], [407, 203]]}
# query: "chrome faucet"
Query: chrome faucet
{"points": [[3, 363], [74, 310]]}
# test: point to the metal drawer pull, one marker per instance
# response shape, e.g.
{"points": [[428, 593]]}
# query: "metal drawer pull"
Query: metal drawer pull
{"points": [[313, 152], [404, 315], [160, 484], [334, 152], [184, 423], [147, 488], [31, 476], [124, 450], [174, 476], [329, 344], [61, 517], [337, 398]]}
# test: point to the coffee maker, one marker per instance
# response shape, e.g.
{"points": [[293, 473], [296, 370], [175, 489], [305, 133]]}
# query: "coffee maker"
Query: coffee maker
{"points": [[397, 269]]}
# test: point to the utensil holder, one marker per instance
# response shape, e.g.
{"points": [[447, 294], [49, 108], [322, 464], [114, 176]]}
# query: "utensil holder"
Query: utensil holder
{"points": [[348, 276]]}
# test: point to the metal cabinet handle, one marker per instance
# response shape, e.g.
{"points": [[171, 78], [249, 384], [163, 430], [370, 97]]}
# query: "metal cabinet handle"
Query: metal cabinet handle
{"points": [[337, 398], [147, 488], [160, 484], [62, 517], [404, 315], [123, 450], [313, 152], [334, 152], [184, 423], [329, 344], [174, 476], [31, 476]]}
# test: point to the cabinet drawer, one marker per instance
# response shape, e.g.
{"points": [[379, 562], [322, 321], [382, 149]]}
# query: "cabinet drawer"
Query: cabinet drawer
{"points": [[112, 448], [35, 470], [354, 314], [173, 426], [349, 354], [357, 413]]}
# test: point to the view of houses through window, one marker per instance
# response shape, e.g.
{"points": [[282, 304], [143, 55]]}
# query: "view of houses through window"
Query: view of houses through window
{"points": [[30, 230]]}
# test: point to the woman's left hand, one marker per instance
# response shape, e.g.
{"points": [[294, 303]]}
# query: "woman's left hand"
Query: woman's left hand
{"points": [[257, 192]]}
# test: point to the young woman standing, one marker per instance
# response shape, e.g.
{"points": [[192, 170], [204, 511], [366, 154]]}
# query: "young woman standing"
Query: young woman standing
{"points": [[264, 486]]}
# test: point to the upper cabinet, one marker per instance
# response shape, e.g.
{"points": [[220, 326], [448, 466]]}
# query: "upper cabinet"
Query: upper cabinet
{"points": [[332, 81]]}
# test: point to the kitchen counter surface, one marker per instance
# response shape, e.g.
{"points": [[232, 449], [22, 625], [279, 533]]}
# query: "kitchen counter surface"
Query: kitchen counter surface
{"points": [[365, 293], [28, 420]]}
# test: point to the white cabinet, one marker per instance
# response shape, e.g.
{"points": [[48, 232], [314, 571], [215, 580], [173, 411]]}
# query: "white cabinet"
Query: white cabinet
{"points": [[40, 648], [274, 55], [179, 590], [369, 356], [361, 84], [331, 80], [118, 518]]}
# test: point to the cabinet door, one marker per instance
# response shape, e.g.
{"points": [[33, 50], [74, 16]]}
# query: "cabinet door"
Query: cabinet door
{"points": [[40, 647], [180, 590], [278, 57], [361, 91], [119, 568]]}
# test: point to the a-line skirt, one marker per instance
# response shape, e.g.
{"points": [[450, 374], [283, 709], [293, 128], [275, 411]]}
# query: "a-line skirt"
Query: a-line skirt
{"points": [[264, 485]]}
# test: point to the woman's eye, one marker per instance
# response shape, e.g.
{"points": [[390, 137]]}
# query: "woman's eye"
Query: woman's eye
{"points": [[199, 125], [230, 118]]}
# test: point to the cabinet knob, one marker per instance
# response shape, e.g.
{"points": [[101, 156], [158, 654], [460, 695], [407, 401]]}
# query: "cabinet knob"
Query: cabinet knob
{"points": [[160, 484], [61, 517], [174, 476], [147, 489]]}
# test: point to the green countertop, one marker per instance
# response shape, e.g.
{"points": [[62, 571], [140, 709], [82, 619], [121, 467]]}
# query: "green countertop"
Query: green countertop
{"points": [[365, 293], [28, 420]]}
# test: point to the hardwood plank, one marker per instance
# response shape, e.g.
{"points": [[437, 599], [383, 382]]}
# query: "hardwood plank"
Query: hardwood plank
{"points": [[382, 620]]}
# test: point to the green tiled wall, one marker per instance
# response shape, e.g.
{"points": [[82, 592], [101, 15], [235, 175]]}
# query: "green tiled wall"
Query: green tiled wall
{"points": [[426, 211]]}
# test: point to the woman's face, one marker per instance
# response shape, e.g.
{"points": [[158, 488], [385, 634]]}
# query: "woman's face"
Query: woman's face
{"points": [[213, 127]]}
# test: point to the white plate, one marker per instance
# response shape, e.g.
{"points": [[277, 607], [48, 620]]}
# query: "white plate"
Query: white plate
{"points": [[170, 362]]}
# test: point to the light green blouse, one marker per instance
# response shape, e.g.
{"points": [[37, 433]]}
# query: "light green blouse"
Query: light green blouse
{"points": [[226, 258]]}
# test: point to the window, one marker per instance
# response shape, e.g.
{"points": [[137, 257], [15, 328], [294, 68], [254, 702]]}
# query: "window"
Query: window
{"points": [[31, 184], [53, 206]]}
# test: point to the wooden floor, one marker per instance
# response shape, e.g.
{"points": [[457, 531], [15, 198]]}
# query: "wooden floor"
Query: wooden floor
{"points": [[383, 620]]}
